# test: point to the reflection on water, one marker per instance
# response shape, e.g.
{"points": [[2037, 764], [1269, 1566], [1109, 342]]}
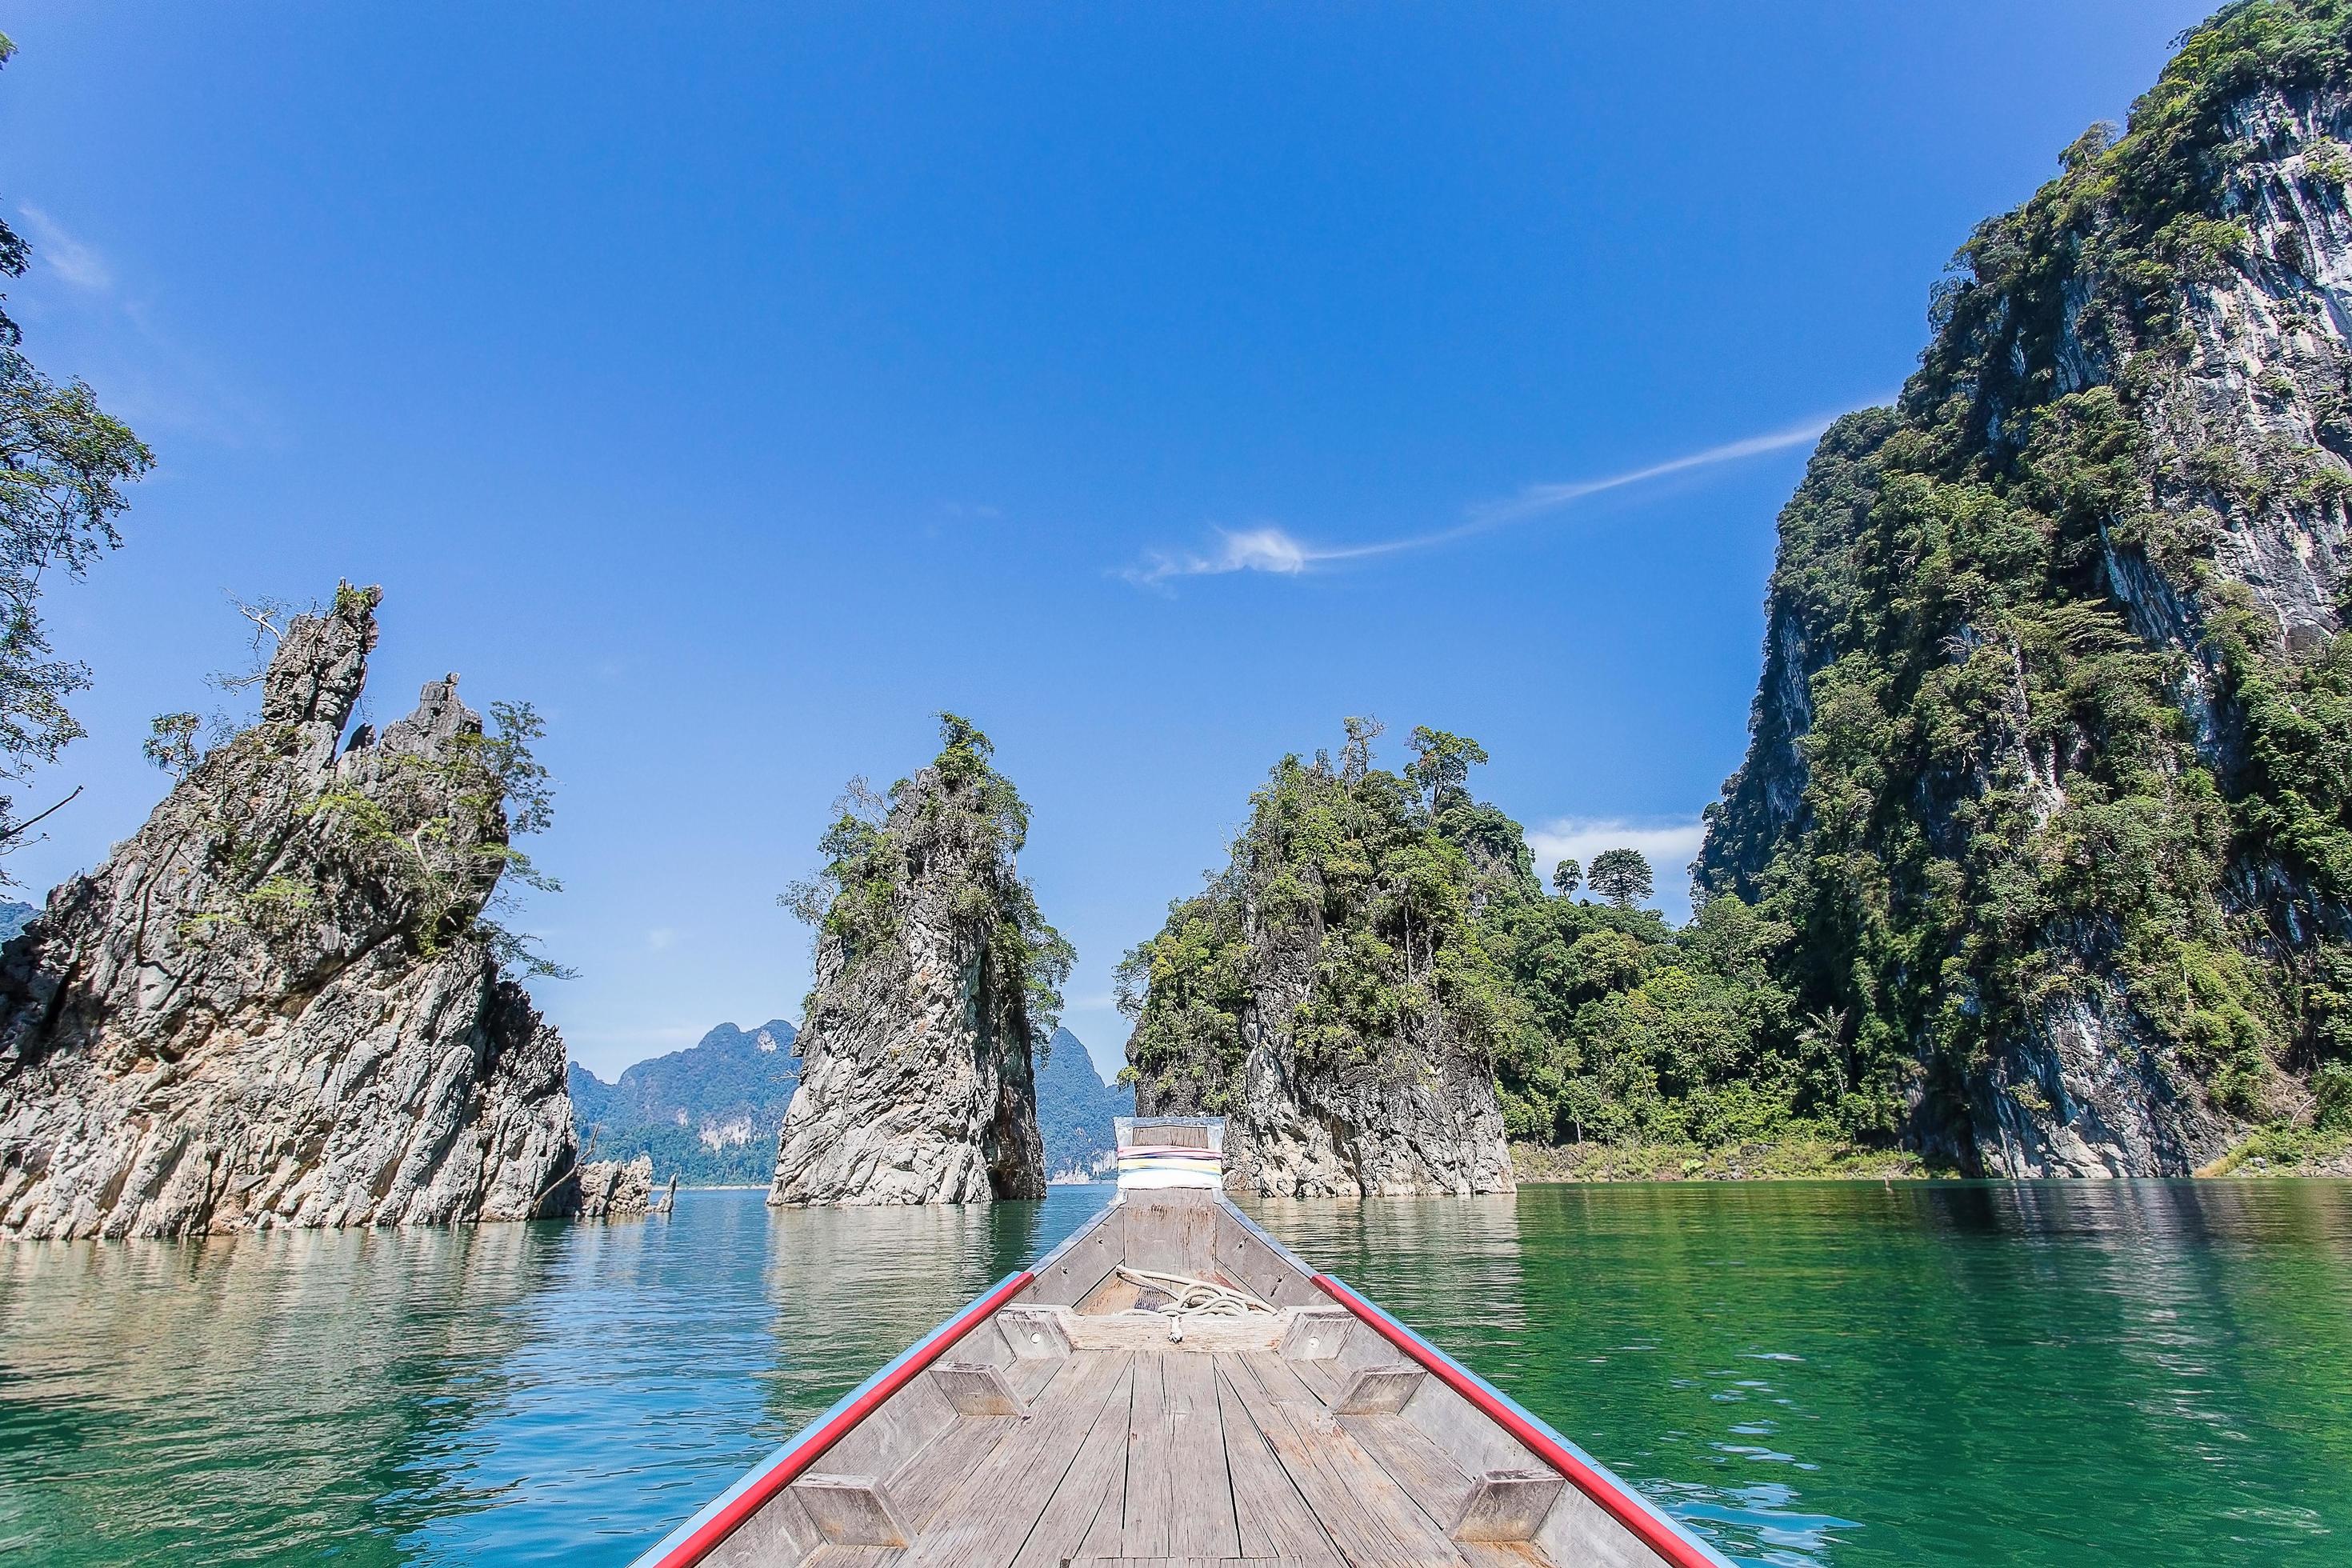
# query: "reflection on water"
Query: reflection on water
{"points": [[1852, 1374], [510, 1394], [1837, 1374]]}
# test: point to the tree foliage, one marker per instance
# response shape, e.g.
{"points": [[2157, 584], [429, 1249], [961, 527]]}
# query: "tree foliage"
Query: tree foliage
{"points": [[63, 463], [439, 832], [960, 815], [1621, 876], [1412, 911]]}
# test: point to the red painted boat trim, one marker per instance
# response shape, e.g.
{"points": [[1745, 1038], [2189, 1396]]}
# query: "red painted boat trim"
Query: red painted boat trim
{"points": [[1652, 1531], [811, 1447]]}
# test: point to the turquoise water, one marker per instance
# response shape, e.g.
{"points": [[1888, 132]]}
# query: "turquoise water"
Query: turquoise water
{"points": [[1832, 1374]]}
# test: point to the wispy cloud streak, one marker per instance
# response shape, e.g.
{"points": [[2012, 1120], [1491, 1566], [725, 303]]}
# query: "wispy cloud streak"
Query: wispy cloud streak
{"points": [[73, 262], [1266, 548]]}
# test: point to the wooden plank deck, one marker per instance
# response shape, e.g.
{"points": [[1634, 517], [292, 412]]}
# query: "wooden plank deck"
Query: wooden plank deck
{"points": [[1180, 1457]]}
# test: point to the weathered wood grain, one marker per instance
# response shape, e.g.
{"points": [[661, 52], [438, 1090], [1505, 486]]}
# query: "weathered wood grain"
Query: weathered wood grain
{"points": [[851, 1510], [1365, 1512], [1148, 1332], [1203, 1524], [1270, 1518], [1379, 1390], [977, 1390], [1508, 1505], [983, 1522], [1426, 1472], [831, 1556], [1280, 1379], [1095, 1484], [924, 1481], [1150, 1478], [1316, 1334], [1502, 1554]]}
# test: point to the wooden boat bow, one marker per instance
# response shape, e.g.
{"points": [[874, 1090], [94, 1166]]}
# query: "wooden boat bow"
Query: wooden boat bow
{"points": [[1058, 1419]]}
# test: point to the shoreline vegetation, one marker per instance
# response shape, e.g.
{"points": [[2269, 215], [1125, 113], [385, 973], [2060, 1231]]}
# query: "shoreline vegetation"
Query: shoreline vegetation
{"points": [[2277, 1152]]}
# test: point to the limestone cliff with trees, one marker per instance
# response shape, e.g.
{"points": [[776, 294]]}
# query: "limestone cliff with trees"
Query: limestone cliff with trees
{"points": [[2041, 859], [282, 1003], [1332, 993], [2050, 800], [1380, 997], [937, 981]]}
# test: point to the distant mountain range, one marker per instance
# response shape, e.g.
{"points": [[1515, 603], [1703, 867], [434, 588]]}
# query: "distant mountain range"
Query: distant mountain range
{"points": [[711, 1112], [13, 918], [1074, 1108]]}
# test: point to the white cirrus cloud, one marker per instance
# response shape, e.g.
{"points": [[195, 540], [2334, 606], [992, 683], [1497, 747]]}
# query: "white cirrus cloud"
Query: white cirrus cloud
{"points": [[73, 261], [1270, 549]]}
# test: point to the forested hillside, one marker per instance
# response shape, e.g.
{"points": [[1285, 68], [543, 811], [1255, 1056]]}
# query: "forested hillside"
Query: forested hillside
{"points": [[1377, 989], [1074, 1108], [711, 1113]]}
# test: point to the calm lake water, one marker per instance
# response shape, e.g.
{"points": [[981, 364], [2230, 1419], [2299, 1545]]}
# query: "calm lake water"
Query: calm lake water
{"points": [[1833, 1373]]}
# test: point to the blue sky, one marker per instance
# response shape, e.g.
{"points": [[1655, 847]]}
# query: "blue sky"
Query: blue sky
{"points": [[1154, 385]]}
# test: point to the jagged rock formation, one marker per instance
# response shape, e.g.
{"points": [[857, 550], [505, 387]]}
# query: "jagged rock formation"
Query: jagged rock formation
{"points": [[610, 1189], [1329, 993], [2048, 774], [275, 1006], [935, 976]]}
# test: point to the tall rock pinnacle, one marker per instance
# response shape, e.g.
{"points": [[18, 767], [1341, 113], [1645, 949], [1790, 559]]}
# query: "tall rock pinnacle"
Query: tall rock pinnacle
{"points": [[935, 976], [275, 1006]]}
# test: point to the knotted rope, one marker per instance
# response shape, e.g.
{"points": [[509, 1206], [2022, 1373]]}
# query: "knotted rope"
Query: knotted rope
{"points": [[1195, 1298]]}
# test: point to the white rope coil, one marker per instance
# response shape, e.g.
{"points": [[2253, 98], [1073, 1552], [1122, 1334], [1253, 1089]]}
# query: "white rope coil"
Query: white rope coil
{"points": [[1195, 1298]]}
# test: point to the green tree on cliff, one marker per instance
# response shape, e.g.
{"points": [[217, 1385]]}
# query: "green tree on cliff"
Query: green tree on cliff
{"points": [[1621, 876], [63, 461]]}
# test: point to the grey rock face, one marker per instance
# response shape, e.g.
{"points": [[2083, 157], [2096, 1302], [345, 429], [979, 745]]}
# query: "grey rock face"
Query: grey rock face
{"points": [[1410, 1110], [611, 1189], [1411, 1126], [272, 1006], [916, 1085], [1415, 1121]]}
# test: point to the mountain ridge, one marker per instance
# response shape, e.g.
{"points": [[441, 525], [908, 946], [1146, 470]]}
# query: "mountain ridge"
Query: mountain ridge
{"points": [[710, 1112]]}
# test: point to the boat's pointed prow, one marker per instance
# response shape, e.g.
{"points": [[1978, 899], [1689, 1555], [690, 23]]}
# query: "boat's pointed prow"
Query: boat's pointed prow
{"points": [[1171, 1382]]}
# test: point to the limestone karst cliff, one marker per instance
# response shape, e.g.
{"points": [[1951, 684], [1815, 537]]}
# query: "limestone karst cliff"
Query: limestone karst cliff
{"points": [[2051, 778], [936, 978], [276, 1005], [1329, 993]]}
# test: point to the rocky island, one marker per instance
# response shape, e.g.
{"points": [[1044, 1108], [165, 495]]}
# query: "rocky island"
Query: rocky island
{"points": [[936, 978], [1325, 993], [277, 1003]]}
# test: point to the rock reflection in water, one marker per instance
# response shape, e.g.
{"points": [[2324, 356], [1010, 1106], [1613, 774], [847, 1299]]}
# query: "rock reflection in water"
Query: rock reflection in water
{"points": [[1853, 1373], [851, 1288], [1818, 1375], [510, 1394], [253, 1396]]}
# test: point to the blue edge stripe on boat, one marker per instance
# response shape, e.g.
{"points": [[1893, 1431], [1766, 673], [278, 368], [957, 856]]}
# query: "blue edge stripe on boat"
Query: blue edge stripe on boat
{"points": [[752, 1477]]}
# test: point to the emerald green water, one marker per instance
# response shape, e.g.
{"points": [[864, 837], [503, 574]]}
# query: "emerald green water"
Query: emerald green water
{"points": [[1831, 1374]]}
